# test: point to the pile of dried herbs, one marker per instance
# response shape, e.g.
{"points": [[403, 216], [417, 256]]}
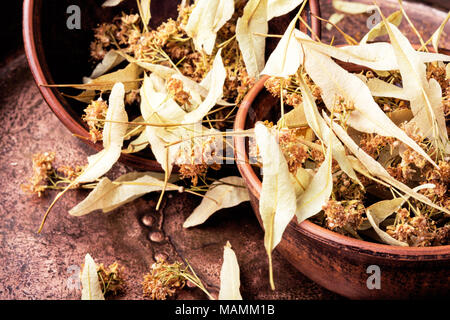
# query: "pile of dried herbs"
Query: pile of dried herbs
{"points": [[365, 154], [162, 282]]}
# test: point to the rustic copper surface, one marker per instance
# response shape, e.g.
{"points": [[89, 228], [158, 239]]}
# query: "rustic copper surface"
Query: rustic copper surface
{"points": [[337, 262], [36, 266]]}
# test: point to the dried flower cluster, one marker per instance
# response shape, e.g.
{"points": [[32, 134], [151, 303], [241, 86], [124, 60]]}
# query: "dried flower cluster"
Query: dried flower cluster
{"points": [[111, 278], [46, 176], [93, 114], [42, 168], [164, 280]]}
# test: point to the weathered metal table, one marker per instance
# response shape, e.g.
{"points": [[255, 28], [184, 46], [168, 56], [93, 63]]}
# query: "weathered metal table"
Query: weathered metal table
{"points": [[41, 266]]}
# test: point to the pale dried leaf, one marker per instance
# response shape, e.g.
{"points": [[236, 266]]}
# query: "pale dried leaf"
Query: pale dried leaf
{"points": [[353, 7], [318, 191], [162, 71], [277, 8], [436, 37], [138, 144], [380, 88], [111, 3], [380, 30], [207, 17], [379, 56], [294, 118], [218, 76], [199, 90], [111, 59], [129, 76], [376, 169], [335, 18], [383, 209], [277, 203], [113, 133], [425, 96], [226, 192], [145, 12], [135, 129], [109, 195], [301, 180], [252, 46], [325, 134], [158, 108], [89, 281], [367, 117], [229, 276], [287, 56], [386, 238]]}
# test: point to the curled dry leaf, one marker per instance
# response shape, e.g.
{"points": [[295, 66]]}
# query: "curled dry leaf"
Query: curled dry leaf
{"points": [[224, 193], [384, 236], [144, 11], [353, 7], [134, 128], [207, 17], [287, 56], [383, 209], [217, 80], [89, 281], [129, 76], [335, 18], [424, 96], [277, 8], [200, 90], [367, 116], [277, 203], [162, 71], [379, 56], [109, 195], [113, 133], [380, 88], [111, 59], [380, 30], [437, 34], [318, 192], [321, 129], [158, 108], [252, 46], [229, 276], [111, 3], [138, 144], [294, 118]]}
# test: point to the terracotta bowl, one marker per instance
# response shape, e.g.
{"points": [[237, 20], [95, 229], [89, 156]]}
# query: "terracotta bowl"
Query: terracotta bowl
{"points": [[57, 55], [336, 262]]}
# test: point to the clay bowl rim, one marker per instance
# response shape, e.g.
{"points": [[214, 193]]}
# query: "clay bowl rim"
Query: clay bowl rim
{"points": [[34, 52], [307, 227]]}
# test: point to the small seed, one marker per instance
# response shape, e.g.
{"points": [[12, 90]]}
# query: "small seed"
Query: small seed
{"points": [[156, 236], [148, 220]]}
